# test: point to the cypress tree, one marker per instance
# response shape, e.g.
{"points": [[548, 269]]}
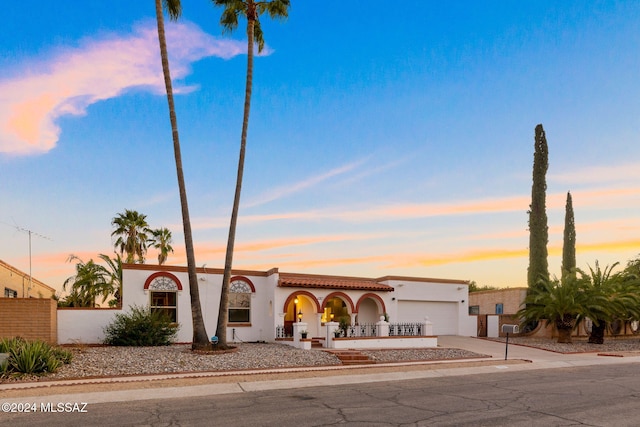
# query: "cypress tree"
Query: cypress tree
{"points": [[569, 241], [538, 229]]}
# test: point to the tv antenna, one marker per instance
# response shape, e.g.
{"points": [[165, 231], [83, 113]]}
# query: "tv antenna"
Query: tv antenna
{"points": [[30, 233]]}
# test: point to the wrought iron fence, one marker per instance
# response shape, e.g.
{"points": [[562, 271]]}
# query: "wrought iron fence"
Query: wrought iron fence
{"points": [[280, 332], [405, 329]]}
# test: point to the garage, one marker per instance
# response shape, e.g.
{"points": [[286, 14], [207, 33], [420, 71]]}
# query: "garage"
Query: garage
{"points": [[443, 314]]}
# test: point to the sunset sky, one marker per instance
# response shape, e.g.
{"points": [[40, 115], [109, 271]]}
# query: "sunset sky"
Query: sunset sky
{"points": [[383, 140]]}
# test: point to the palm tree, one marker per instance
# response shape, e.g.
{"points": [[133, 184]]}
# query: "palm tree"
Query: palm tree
{"points": [[113, 275], [89, 282], [132, 230], [200, 337], [251, 10], [161, 240], [620, 294], [559, 304]]}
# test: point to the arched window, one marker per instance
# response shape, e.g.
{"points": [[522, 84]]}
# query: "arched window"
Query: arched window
{"points": [[240, 301], [163, 290]]}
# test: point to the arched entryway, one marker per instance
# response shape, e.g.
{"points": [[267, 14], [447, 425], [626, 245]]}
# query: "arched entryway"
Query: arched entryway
{"points": [[370, 307], [337, 307], [301, 306]]}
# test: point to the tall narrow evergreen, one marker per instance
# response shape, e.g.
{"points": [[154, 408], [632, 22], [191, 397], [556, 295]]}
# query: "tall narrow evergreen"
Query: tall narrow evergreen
{"points": [[538, 229], [569, 242]]}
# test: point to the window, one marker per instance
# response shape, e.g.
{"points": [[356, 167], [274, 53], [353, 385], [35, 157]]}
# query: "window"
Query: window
{"points": [[239, 302], [165, 302], [10, 293], [474, 309], [499, 308]]}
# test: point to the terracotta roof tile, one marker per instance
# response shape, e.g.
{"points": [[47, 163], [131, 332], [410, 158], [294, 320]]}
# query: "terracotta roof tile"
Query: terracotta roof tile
{"points": [[290, 280]]}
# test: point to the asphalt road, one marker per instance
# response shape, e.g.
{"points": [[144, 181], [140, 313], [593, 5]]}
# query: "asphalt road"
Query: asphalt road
{"points": [[599, 395]]}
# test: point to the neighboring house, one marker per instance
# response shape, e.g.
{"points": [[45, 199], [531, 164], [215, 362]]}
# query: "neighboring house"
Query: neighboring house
{"points": [[17, 284], [497, 301], [264, 305]]}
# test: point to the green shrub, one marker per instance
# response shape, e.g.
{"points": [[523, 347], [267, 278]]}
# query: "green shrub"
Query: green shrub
{"points": [[141, 327], [31, 357]]}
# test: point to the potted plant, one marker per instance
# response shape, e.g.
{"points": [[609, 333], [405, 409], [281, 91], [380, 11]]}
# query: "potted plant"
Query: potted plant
{"points": [[303, 334], [337, 333]]}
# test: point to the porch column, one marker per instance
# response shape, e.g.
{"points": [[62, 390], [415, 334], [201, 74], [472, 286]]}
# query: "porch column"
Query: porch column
{"points": [[427, 329], [383, 327]]}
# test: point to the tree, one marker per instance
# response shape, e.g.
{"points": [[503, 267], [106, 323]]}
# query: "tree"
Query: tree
{"points": [[113, 275], [161, 240], [538, 229], [200, 337], [561, 304], [90, 282], [131, 230], [251, 10], [569, 240], [612, 296]]}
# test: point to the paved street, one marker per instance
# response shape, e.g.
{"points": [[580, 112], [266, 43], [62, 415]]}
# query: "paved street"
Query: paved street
{"points": [[599, 395]]}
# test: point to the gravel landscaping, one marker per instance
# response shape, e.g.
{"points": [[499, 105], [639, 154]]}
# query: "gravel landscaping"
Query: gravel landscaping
{"points": [[95, 362]]}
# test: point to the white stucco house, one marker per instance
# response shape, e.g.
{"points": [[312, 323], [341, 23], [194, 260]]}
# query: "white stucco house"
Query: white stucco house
{"points": [[267, 305]]}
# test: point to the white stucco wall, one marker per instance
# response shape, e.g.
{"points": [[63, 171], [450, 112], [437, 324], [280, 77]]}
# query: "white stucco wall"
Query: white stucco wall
{"points": [[444, 302], [83, 326]]}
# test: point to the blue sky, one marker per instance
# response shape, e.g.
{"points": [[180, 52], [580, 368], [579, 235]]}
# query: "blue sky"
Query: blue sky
{"points": [[382, 140]]}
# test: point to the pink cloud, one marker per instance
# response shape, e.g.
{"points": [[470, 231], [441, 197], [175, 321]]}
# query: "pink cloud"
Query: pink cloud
{"points": [[99, 69]]}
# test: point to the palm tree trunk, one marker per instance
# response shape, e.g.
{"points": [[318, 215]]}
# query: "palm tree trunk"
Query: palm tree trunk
{"points": [[597, 332], [565, 326], [200, 337], [223, 313]]}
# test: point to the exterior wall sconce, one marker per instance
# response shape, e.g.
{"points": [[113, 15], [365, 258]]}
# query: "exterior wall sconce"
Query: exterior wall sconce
{"points": [[332, 316], [300, 316]]}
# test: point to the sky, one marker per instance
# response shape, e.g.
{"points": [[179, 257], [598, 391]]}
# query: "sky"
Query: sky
{"points": [[382, 140]]}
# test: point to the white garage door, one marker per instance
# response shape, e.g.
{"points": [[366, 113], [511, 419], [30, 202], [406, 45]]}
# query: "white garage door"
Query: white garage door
{"points": [[443, 315]]}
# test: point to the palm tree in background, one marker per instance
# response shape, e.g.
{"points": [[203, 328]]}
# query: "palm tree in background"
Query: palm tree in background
{"points": [[200, 337], [161, 240], [251, 10], [113, 276], [131, 230], [90, 282]]}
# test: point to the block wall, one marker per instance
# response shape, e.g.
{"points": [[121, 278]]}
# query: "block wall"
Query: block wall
{"points": [[29, 318]]}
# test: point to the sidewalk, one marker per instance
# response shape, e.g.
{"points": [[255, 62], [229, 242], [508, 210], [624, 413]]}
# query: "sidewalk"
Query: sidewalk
{"points": [[202, 384]]}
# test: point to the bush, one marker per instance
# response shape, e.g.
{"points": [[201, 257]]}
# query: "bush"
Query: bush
{"points": [[31, 357], [141, 327]]}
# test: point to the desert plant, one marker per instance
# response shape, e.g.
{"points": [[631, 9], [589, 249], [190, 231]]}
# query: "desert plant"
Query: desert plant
{"points": [[31, 357], [141, 327]]}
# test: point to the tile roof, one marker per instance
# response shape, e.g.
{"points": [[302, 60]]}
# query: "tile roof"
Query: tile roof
{"points": [[292, 280]]}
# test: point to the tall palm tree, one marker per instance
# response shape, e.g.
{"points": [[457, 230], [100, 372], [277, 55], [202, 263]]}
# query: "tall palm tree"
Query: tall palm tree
{"points": [[200, 337], [161, 240], [131, 230], [251, 10]]}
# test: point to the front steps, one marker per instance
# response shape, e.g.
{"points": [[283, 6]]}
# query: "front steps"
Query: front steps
{"points": [[352, 357]]}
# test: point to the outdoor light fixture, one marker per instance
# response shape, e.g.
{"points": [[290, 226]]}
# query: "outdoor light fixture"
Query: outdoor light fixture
{"points": [[332, 317], [295, 301], [300, 316]]}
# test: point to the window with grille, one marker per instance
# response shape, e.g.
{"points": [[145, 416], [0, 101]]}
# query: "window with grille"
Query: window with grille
{"points": [[239, 302], [10, 293], [165, 302]]}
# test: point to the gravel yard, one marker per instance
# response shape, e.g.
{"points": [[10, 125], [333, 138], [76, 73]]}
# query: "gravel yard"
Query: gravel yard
{"points": [[95, 362]]}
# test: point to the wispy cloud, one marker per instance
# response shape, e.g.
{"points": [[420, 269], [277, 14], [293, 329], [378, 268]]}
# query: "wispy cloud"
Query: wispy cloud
{"points": [[296, 187], [72, 79], [598, 175]]}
